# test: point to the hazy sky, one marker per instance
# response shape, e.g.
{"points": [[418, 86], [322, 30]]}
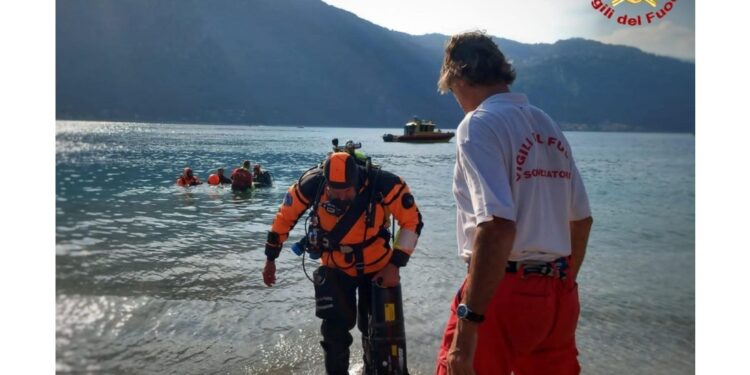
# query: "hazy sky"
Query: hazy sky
{"points": [[536, 21]]}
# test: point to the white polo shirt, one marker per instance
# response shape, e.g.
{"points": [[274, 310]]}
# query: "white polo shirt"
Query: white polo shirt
{"points": [[513, 162]]}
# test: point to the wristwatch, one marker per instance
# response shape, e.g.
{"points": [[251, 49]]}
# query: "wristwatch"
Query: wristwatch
{"points": [[464, 312]]}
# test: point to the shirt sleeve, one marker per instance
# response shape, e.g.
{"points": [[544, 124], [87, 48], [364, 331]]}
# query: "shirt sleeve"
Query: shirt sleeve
{"points": [[482, 161]]}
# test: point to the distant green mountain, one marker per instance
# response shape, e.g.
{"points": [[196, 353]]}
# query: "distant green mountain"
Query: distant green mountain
{"points": [[304, 62]]}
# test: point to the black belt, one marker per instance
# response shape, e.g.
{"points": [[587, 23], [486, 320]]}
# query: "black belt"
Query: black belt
{"points": [[557, 268]]}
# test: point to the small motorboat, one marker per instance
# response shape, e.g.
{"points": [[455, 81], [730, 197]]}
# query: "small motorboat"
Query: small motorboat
{"points": [[420, 131]]}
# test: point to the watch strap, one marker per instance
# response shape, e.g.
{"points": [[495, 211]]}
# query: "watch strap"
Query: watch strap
{"points": [[471, 316]]}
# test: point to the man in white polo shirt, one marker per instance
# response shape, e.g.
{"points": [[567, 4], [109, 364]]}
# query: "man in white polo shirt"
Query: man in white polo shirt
{"points": [[523, 221]]}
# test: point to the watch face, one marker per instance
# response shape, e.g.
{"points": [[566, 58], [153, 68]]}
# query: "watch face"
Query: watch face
{"points": [[462, 311]]}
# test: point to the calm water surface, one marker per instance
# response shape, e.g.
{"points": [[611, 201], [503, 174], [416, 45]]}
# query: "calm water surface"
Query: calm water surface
{"points": [[155, 279]]}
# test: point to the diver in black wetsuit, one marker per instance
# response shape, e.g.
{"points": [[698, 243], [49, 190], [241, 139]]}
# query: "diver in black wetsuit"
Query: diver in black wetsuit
{"points": [[223, 179], [261, 178]]}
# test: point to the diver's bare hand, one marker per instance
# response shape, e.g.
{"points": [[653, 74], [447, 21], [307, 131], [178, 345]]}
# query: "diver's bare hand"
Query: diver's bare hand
{"points": [[387, 277], [269, 273]]}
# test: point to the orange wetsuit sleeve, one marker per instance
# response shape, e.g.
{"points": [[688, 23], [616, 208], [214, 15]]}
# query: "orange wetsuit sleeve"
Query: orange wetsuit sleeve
{"points": [[294, 206], [400, 202]]}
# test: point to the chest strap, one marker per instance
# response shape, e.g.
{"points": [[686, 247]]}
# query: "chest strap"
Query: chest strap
{"points": [[330, 240], [354, 254]]}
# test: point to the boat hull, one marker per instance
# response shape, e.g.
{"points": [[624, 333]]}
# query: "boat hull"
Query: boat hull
{"points": [[420, 138]]}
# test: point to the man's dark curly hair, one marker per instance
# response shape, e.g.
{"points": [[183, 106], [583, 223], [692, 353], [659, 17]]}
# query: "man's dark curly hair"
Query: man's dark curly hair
{"points": [[474, 57]]}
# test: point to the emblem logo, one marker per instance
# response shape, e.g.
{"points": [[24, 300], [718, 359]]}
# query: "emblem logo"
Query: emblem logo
{"points": [[288, 200], [649, 2], [608, 10]]}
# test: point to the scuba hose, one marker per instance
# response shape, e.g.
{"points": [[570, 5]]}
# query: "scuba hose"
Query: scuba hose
{"points": [[304, 251], [304, 243]]}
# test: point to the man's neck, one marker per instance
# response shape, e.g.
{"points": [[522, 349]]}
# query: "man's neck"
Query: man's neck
{"points": [[475, 95]]}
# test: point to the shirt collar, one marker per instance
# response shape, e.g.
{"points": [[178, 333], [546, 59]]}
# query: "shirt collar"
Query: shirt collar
{"points": [[506, 97]]}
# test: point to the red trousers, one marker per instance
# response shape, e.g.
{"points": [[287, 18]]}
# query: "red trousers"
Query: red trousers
{"points": [[529, 328]]}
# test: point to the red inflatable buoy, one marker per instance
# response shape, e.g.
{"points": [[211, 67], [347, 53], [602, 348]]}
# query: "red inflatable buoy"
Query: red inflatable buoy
{"points": [[213, 179]]}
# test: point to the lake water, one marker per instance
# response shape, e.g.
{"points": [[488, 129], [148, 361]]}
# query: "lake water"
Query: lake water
{"points": [[156, 279]]}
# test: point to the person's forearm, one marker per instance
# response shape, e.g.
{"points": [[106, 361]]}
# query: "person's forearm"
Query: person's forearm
{"points": [[493, 242], [579, 238]]}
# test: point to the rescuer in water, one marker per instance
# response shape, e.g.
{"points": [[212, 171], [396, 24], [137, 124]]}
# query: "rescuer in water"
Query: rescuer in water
{"points": [[187, 178], [219, 178], [261, 178], [242, 179]]}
